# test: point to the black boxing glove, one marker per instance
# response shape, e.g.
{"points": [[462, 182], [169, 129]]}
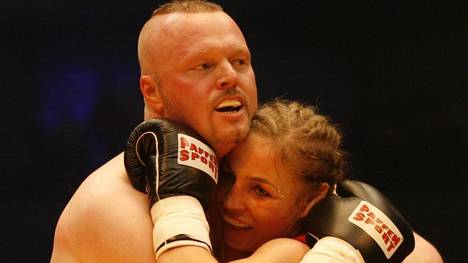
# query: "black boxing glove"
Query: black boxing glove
{"points": [[362, 217], [164, 158], [178, 171]]}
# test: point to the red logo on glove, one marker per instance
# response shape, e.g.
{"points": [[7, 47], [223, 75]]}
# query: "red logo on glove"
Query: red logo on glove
{"points": [[196, 154], [377, 225]]}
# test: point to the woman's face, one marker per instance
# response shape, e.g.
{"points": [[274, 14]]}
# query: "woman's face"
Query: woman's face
{"points": [[264, 199]]}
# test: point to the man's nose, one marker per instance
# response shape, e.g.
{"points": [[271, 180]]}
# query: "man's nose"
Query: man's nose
{"points": [[227, 76]]}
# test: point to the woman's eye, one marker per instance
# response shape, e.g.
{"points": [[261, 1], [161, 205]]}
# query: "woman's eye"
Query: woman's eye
{"points": [[260, 192]]}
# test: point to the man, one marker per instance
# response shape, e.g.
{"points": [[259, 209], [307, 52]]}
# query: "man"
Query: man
{"points": [[195, 69]]}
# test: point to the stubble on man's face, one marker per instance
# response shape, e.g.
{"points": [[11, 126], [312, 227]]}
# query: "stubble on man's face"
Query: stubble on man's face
{"points": [[192, 100]]}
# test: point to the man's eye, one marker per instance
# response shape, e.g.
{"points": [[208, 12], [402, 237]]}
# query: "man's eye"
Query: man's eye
{"points": [[238, 62], [261, 192], [203, 66]]}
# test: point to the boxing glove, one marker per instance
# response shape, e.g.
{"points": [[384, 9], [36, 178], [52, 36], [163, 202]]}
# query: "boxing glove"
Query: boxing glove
{"points": [[362, 217], [178, 171]]}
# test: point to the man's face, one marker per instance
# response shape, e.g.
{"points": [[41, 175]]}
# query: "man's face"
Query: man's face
{"points": [[205, 76]]}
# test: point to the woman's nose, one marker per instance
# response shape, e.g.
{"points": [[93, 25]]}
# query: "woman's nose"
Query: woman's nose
{"points": [[233, 200]]}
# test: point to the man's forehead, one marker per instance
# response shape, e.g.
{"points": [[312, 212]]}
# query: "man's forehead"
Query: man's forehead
{"points": [[190, 23], [209, 30]]}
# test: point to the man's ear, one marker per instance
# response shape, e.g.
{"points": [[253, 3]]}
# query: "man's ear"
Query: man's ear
{"points": [[152, 95], [314, 198]]}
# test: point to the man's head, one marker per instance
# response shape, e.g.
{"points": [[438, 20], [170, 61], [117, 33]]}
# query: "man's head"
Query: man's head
{"points": [[196, 70]]}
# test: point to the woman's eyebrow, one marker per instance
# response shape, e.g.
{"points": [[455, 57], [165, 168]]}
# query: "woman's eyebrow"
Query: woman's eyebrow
{"points": [[271, 184]]}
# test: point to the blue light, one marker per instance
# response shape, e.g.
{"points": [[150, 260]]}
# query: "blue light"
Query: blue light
{"points": [[69, 93]]}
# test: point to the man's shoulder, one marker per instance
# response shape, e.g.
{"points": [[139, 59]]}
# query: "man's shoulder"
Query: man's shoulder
{"points": [[103, 213], [101, 188], [103, 197]]}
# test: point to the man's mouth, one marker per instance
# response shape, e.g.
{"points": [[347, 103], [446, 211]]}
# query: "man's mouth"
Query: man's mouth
{"points": [[235, 222], [229, 106]]}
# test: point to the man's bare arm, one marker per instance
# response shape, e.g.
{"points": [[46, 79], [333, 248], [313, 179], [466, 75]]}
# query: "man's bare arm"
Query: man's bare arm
{"points": [[424, 252], [186, 254], [105, 221], [281, 250]]}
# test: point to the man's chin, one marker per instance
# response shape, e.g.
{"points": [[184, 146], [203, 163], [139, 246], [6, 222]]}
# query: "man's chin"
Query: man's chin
{"points": [[226, 140]]}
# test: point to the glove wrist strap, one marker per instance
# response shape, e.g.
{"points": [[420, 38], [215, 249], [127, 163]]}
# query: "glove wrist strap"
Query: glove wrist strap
{"points": [[179, 221]]}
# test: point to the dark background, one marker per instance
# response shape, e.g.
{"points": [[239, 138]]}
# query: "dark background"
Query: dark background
{"points": [[391, 74]]}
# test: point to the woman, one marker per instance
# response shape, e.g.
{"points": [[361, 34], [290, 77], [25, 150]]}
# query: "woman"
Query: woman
{"points": [[276, 175], [290, 160]]}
